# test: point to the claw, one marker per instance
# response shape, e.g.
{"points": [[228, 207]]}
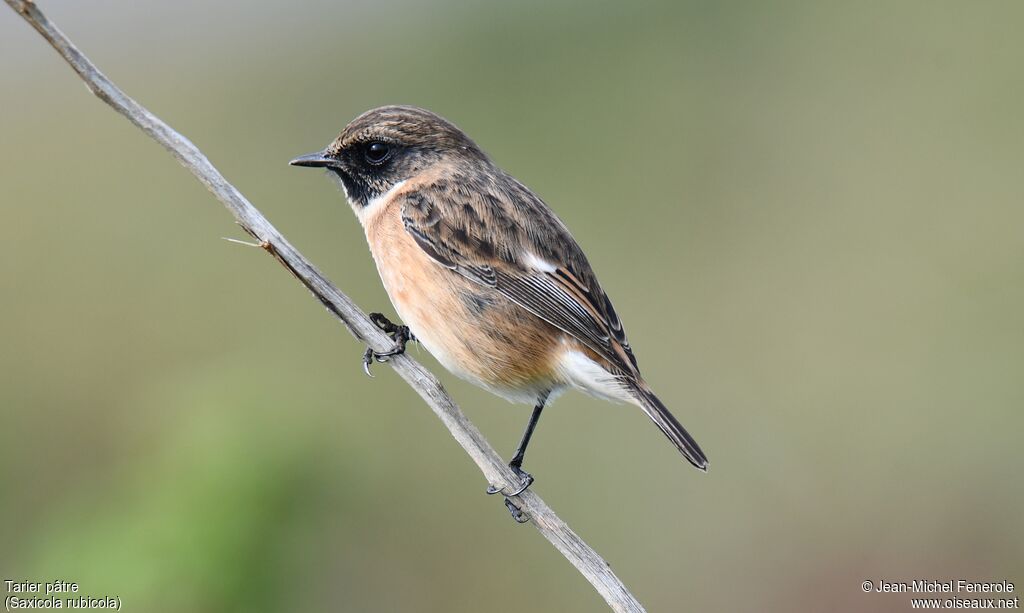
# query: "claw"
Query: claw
{"points": [[367, 360], [517, 513], [400, 334], [527, 482]]}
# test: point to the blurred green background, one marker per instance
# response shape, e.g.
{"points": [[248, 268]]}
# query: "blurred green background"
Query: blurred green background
{"points": [[809, 217]]}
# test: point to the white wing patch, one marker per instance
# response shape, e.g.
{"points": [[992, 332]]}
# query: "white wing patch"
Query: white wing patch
{"points": [[536, 263]]}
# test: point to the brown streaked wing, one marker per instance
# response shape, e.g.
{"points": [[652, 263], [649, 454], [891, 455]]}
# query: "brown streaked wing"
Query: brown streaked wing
{"points": [[480, 227]]}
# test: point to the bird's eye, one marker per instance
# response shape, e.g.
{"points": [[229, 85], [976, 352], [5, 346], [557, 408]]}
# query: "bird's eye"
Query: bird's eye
{"points": [[377, 152]]}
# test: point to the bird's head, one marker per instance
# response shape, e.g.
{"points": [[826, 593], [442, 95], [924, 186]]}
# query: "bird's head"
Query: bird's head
{"points": [[388, 145]]}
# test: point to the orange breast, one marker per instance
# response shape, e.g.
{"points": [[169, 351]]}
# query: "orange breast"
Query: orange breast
{"points": [[472, 330]]}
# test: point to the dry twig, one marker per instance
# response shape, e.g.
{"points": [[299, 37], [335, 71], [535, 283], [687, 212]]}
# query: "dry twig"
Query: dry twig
{"points": [[585, 559]]}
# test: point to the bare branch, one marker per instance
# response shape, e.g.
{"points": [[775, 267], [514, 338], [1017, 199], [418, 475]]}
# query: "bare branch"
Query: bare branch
{"points": [[585, 559]]}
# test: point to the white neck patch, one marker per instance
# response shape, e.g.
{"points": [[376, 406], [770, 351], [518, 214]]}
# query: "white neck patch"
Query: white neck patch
{"points": [[375, 202]]}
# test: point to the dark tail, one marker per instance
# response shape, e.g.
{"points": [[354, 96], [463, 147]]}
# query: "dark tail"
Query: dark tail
{"points": [[675, 432]]}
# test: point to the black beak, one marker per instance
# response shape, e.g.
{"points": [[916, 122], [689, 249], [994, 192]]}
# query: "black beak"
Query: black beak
{"points": [[314, 160]]}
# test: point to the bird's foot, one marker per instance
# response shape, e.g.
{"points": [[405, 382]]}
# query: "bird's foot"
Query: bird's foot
{"points": [[400, 334], [525, 481]]}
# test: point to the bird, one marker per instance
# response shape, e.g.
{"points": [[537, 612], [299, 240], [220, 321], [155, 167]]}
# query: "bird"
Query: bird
{"points": [[483, 273]]}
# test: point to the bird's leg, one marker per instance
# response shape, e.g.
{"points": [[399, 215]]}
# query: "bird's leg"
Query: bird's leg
{"points": [[525, 478], [400, 334]]}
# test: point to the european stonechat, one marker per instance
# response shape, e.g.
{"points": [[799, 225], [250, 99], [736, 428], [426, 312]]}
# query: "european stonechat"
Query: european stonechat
{"points": [[482, 272]]}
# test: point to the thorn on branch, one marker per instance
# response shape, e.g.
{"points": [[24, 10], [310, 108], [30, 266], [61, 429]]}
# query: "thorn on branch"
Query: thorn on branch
{"points": [[246, 243]]}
